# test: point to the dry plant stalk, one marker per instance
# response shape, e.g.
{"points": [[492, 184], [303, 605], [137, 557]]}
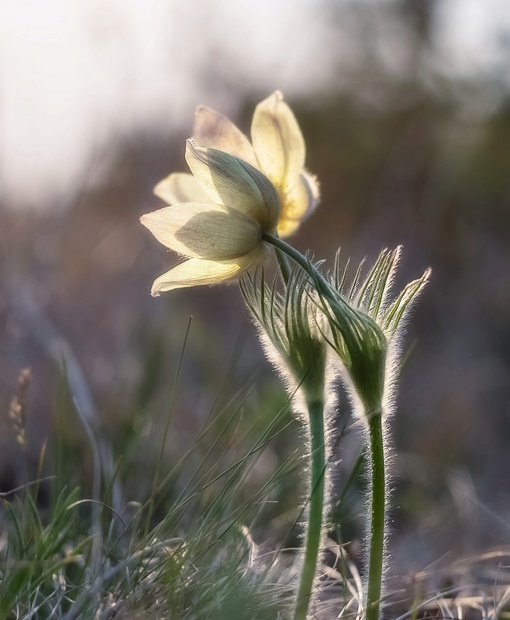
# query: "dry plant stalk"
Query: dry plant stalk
{"points": [[18, 406]]}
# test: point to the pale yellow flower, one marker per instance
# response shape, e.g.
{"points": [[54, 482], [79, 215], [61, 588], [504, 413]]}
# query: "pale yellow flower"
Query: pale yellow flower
{"points": [[220, 233], [277, 149]]}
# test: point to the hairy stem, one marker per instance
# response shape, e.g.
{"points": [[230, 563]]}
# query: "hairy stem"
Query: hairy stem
{"points": [[316, 509], [285, 248], [350, 334], [284, 265], [377, 515]]}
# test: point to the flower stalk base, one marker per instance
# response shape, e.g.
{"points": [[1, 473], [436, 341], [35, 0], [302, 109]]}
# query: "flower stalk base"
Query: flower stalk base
{"points": [[377, 515], [316, 509]]}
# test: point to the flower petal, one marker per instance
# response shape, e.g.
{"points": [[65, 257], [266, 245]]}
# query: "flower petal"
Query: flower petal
{"points": [[213, 130], [180, 187], [278, 141], [286, 227], [312, 189], [297, 204], [197, 272], [197, 230], [232, 182]]}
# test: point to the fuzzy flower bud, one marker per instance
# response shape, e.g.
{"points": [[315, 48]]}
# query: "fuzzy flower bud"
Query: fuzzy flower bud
{"points": [[288, 328]]}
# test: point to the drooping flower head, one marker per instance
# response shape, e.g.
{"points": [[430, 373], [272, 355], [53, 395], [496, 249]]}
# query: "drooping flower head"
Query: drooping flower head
{"points": [[277, 149], [220, 235]]}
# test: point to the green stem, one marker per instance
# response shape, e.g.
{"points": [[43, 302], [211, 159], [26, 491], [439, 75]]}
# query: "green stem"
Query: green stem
{"points": [[316, 508], [284, 265], [351, 336], [296, 256], [378, 515]]}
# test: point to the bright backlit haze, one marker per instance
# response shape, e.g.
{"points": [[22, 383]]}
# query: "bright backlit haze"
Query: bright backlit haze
{"points": [[77, 76]]}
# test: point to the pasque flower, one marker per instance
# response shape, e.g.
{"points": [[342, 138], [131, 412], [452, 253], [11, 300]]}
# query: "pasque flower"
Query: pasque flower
{"points": [[367, 342], [221, 233], [277, 149]]}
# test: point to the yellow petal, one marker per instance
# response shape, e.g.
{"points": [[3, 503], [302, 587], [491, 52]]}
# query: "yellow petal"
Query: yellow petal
{"points": [[197, 230], [278, 141], [233, 183], [297, 204], [286, 228], [197, 272], [213, 130], [312, 189], [180, 187]]}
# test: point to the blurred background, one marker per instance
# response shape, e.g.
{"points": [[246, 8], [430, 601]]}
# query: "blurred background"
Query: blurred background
{"points": [[404, 105]]}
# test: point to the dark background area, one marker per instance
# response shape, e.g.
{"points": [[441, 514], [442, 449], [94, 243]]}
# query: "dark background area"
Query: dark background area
{"points": [[411, 158]]}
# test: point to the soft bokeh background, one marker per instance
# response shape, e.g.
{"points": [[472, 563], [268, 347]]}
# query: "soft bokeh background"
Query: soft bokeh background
{"points": [[405, 108]]}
